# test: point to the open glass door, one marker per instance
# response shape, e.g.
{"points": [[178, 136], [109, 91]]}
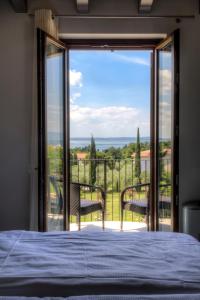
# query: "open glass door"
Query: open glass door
{"points": [[52, 109], [166, 137]]}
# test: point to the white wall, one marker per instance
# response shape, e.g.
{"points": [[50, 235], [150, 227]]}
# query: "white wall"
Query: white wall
{"points": [[15, 90], [15, 116]]}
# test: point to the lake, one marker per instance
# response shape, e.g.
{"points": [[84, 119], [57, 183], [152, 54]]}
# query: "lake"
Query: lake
{"points": [[101, 143], [105, 143]]}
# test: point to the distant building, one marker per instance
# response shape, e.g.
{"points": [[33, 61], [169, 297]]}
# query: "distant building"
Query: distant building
{"points": [[81, 155], [145, 159], [143, 154]]}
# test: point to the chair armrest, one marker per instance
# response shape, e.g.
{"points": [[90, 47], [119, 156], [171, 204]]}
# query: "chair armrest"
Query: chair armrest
{"points": [[131, 188], [96, 187]]}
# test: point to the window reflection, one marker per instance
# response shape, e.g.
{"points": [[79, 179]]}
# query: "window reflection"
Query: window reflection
{"points": [[165, 138], [54, 134]]}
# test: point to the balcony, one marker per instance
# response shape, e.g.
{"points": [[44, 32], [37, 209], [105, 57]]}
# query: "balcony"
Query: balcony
{"points": [[113, 175]]}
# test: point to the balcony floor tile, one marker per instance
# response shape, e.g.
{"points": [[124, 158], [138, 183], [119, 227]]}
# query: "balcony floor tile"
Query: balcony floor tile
{"points": [[55, 223], [110, 226]]}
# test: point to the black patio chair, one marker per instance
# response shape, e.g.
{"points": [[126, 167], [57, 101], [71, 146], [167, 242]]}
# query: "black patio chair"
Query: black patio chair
{"points": [[136, 204], [141, 206], [81, 207]]}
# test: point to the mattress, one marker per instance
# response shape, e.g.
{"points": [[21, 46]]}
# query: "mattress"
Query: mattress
{"points": [[92, 263]]}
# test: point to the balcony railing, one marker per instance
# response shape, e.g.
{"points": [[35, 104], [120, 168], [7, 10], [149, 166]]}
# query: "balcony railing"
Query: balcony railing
{"points": [[113, 175]]}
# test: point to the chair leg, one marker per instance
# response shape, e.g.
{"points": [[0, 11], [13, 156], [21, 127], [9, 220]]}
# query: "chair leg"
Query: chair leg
{"points": [[103, 219], [122, 219]]}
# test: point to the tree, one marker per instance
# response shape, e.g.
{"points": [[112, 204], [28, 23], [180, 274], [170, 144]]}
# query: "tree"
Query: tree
{"points": [[138, 158], [113, 153], [93, 157]]}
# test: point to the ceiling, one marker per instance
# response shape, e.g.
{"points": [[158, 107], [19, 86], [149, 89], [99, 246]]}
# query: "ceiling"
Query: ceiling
{"points": [[82, 6], [111, 8]]}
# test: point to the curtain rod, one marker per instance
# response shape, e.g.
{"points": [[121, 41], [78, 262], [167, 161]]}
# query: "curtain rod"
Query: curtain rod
{"points": [[122, 17]]}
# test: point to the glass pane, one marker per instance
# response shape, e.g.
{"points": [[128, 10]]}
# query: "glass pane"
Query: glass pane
{"points": [[54, 134], [165, 139]]}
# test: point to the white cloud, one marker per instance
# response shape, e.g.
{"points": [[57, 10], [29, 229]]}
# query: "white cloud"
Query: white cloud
{"points": [[107, 121], [165, 81], [74, 97], [75, 78], [165, 105], [165, 86], [165, 119], [133, 59], [110, 121]]}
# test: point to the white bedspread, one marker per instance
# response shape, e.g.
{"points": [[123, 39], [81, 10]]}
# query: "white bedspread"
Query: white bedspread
{"points": [[82, 263]]}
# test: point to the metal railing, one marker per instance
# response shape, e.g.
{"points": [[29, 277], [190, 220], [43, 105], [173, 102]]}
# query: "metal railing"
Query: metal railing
{"points": [[113, 175]]}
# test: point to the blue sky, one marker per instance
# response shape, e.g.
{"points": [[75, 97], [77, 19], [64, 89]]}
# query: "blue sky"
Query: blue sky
{"points": [[109, 92]]}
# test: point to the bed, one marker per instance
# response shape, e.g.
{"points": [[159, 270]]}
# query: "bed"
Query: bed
{"points": [[91, 263]]}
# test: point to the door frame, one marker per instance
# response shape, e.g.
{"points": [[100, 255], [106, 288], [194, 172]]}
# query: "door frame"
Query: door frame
{"points": [[121, 44]]}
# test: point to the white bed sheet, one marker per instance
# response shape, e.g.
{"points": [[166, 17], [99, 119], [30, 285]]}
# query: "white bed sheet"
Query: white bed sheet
{"points": [[82, 263]]}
